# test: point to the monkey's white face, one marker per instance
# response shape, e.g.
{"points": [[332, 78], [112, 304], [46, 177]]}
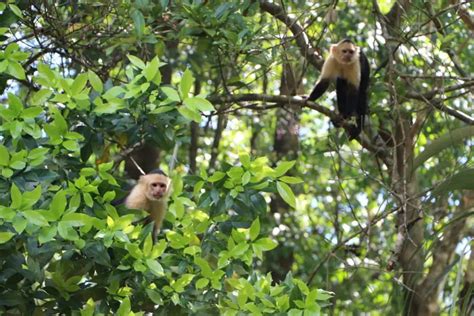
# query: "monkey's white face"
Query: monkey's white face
{"points": [[157, 186], [346, 53]]}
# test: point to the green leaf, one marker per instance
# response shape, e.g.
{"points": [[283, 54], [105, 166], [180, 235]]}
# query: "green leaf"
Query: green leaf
{"points": [[246, 178], [134, 251], [162, 109], [323, 295], [14, 104], [19, 223], [151, 69], [451, 138], [17, 165], [40, 97], [283, 167], [199, 104], [286, 193], [177, 241], [67, 232], [95, 81], [265, 244], [7, 213], [5, 237], [136, 61], [4, 156], [58, 204], [463, 180], [139, 22], [31, 112], [46, 72], [155, 267], [245, 160], [124, 309], [78, 84], [15, 196], [36, 218], [30, 198], [60, 122], [190, 114], [113, 92], [171, 93], [255, 229], [216, 176], [16, 70], [71, 145], [202, 283], [147, 245], [6, 172], [385, 5], [15, 10], [154, 296], [184, 280], [77, 219], [47, 234], [186, 83], [291, 180], [238, 250]]}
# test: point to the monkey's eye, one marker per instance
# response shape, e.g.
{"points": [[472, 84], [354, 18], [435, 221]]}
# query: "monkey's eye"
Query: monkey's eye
{"points": [[155, 184]]}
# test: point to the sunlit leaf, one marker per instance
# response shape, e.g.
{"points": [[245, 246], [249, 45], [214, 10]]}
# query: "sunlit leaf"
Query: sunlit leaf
{"points": [[190, 114], [186, 83], [15, 10], [95, 81], [199, 104], [283, 167], [16, 70], [286, 193], [5, 237], [385, 5], [155, 267], [136, 61]]}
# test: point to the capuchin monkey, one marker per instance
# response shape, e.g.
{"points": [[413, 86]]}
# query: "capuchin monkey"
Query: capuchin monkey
{"points": [[151, 194], [348, 66]]}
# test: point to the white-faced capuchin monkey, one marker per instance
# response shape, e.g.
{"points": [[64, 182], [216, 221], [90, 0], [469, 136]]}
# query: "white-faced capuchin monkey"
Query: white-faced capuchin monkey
{"points": [[348, 66], [151, 194]]}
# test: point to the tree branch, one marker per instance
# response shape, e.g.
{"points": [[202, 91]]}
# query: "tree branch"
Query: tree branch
{"points": [[298, 31], [380, 151]]}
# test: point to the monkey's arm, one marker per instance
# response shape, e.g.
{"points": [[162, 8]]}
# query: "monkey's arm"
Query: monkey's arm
{"points": [[318, 90], [327, 74]]}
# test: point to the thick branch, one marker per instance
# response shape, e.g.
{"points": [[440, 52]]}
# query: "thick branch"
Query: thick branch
{"points": [[301, 38], [464, 15], [364, 140]]}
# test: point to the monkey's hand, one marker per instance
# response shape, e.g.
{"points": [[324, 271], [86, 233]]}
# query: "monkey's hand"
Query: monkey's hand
{"points": [[338, 121]]}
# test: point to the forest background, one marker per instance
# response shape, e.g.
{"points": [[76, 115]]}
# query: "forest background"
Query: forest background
{"points": [[274, 210]]}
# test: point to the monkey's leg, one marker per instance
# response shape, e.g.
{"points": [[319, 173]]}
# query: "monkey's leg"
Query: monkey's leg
{"points": [[154, 234], [341, 92], [146, 220]]}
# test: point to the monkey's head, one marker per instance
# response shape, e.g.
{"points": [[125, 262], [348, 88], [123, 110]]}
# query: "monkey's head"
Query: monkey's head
{"points": [[156, 184], [345, 52]]}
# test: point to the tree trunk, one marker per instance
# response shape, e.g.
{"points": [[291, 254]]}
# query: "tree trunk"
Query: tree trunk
{"points": [[285, 145]]}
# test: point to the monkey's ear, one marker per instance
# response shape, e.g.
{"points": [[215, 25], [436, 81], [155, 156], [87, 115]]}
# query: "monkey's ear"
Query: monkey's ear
{"points": [[333, 48]]}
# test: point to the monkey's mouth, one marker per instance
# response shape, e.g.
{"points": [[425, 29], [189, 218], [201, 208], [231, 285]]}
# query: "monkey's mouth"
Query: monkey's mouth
{"points": [[157, 196]]}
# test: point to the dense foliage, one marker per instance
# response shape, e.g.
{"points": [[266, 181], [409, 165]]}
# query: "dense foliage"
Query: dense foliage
{"points": [[273, 210]]}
